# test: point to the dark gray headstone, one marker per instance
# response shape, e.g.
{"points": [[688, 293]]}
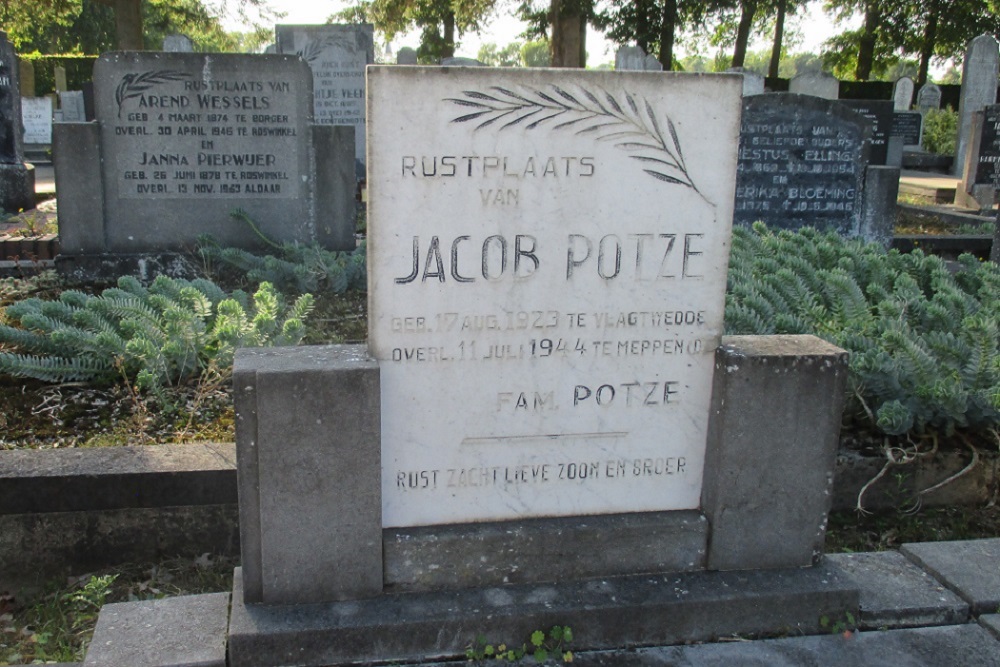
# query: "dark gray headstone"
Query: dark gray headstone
{"points": [[908, 125], [337, 56], [880, 114], [11, 151], [188, 138], [988, 164], [802, 162]]}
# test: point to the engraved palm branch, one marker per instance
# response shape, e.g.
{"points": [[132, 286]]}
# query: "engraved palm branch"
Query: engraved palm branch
{"points": [[314, 48], [134, 85], [632, 125]]}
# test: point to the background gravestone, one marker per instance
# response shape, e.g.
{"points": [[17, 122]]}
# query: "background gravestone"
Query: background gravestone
{"points": [[36, 117], [178, 44], [816, 84], [928, 97], [802, 162], [902, 94], [753, 83], [182, 140], [406, 56], [337, 56], [979, 88], [17, 181], [633, 58], [880, 114], [461, 62], [27, 78], [72, 106]]}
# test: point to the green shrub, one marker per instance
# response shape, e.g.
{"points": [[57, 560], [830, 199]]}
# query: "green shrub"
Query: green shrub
{"points": [[924, 344], [940, 131], [171, 331]]}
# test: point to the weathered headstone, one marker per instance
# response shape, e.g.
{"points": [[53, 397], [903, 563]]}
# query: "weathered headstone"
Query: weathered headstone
{"points": [[816, 84], [27, 81], [406, 56], [461, 62], [505, 272], [17, 181], [72, 106], [182, 140], [337, 56], [880, 114], [36, 117], [59, 74], [902, 94], [802, 162], [909, 127], [178, 44], [979, 89], [753, 83], [928, 97], [633, 58]]}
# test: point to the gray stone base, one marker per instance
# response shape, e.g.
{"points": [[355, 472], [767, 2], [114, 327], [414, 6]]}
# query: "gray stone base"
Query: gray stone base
{"points": [[108, 267], [639, 610], [970, 568], [17, 187]]}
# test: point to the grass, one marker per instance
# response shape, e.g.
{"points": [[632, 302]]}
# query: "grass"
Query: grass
{"points": [[57, 623]]}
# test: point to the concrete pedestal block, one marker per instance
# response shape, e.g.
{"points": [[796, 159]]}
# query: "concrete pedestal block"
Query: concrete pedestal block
{"points": [[335, 209], [878, 214], [772, 445], [17, 187], [76, 153], [309, 473]]}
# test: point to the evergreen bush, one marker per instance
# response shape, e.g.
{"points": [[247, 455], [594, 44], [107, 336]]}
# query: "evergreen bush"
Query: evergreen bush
{"points": [[924, 343], [940, 131], [154, 336]]}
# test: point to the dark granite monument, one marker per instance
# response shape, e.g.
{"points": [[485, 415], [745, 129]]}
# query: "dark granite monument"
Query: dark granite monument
{"points": [[880, 113], [17, 180]]}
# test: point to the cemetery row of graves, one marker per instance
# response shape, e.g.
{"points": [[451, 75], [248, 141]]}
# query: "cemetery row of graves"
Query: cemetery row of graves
{"points": [[227, 184]]}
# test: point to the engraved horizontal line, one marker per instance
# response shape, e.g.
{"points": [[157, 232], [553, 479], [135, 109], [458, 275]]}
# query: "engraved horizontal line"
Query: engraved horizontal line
{"points": [[544, 437]]}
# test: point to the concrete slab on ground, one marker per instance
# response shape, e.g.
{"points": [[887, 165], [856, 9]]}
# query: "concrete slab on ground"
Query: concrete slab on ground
{"points": [[932, 188], [992, 623], [971, 568], [186, 631], [895, 593], [45, 179]]}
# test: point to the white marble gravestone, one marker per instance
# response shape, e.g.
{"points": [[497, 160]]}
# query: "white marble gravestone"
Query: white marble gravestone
{"points": [[547, 268], [36, 116]]}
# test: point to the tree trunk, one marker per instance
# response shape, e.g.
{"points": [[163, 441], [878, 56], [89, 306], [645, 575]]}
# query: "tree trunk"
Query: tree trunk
{"points": [[128, 24], [779, 35], [642, 30], [928, 43], [448, 47], [748, 9], [569, 34], [866, 48], [667, 26]]}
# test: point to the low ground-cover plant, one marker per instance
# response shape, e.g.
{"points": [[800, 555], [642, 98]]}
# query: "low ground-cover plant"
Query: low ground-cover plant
{"points": [[295, 267], [924, 343], [156, 336]]}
